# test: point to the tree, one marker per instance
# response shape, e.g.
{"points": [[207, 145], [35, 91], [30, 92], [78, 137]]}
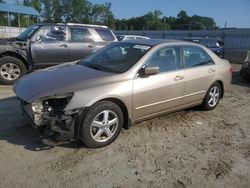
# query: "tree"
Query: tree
{"points": [[183, 21], [101, 14], [57, 11], [47, 12]]}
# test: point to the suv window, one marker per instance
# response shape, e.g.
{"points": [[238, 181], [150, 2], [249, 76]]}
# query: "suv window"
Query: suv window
{"points": [[195, 56], [51, 33], [211, 43], [166, 58], [79, 34], [105, 34]]}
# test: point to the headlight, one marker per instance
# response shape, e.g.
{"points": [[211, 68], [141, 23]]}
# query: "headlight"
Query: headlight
{"points": [[37, 107]]}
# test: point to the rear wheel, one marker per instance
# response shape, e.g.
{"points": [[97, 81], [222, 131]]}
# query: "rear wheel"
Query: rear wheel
{"points": [[101, 125], [11, 69], [212, 97]]}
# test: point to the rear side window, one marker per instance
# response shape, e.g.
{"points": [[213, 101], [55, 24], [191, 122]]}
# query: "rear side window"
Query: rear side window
{"points": [[105, 34], [80, 35], [195, 56]]}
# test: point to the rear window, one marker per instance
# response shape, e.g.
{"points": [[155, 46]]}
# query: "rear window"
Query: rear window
{"points": [[79, 34], [105, 34]]}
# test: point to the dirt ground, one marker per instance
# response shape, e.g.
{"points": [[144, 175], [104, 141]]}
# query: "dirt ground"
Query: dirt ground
{"points": [[190, 148]]}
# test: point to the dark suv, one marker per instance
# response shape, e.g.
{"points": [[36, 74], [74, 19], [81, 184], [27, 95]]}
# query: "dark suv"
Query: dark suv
{"points": [[43, 45], [214, 44], [245, 68]]}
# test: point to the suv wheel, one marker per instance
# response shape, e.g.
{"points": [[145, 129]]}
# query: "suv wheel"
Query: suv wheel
{"points": [[101, 125], [11, 69], [212, 97]]}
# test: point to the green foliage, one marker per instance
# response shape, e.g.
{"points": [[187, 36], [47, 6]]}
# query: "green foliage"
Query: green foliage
{"points": [[83, 11], [154, 21]]}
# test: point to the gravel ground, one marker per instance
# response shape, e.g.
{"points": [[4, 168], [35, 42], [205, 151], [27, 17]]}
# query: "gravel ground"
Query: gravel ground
{"points": [[189, 148]]}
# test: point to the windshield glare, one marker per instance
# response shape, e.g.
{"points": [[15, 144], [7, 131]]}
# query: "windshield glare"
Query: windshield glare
{"points": [[28, 32], [117, 57]]}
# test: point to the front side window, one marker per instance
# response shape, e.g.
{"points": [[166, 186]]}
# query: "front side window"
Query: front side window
{"points": [[195, 56], [116, 57], [51, 33], [166, 58], [79, 34]]}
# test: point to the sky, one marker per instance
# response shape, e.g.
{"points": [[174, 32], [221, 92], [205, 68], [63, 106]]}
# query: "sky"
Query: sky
{"points": [[235, 12]]}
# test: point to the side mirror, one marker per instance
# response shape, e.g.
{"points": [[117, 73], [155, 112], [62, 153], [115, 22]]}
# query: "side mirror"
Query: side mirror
{"points": [[147, 71]]}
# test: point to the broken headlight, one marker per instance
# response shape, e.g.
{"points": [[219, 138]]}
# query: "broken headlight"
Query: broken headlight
{"points": [[56, 104], [51, 106], [37, 107]]}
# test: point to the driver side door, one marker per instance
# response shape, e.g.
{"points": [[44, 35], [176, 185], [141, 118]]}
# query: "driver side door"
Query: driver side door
{"points": [[162, 92], [49, 46]]}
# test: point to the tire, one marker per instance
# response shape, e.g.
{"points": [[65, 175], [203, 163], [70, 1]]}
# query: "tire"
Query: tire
{"points": [[212, 97], [11, 69], [94, 125]]}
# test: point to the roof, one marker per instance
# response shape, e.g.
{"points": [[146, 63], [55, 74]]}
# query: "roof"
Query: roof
{"points": [[73, 24], [4, 7]]}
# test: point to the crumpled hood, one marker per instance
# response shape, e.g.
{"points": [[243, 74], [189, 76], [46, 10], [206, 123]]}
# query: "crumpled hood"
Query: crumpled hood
{"points": [[66, 78]]}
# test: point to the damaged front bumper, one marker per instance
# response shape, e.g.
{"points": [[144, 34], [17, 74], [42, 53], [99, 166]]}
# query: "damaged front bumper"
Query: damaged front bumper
{"points": [[56, 126]]}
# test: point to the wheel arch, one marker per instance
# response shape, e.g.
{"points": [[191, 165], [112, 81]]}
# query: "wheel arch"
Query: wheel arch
{"points": [[18, 56], [222, 87], [121, 104]]}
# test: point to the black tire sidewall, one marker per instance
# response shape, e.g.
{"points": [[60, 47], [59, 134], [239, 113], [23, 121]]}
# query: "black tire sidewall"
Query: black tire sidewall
{"points": [[205, 105], [17, 62], [87, 119]]}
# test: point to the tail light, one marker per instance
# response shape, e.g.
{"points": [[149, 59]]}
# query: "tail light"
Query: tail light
{"points": [[231, 70]]}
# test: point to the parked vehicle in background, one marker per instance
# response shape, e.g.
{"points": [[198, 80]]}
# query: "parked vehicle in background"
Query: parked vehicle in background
{"points": [[43, 45], [214, 44], [245, 68], [123, 83], [130, 37]]}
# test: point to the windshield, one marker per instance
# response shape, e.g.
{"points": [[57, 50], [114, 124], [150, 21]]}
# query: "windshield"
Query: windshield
{"points": [[117, 57], [28, 32]]}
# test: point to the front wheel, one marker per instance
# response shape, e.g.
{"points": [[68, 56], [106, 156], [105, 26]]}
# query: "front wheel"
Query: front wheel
{"points": [[11, 69], [212, 97], [101, 125]]}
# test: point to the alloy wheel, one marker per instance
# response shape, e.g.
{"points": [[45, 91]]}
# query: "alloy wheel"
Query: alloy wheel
{"points": [[10, 71], [214, 96], [104, 126]]}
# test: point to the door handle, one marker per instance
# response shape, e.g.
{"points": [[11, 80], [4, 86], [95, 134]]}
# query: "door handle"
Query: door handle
{"points": [[178, 77], [91, 46], [64, 45], [211, 70]]}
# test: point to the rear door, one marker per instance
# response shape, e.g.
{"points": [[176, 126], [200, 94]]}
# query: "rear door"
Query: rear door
{"points": [[50, 46], [161, 92], [81, 42], [199, 73]]}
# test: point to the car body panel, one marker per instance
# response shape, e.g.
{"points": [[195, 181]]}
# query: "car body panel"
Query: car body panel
{"points": [[157, 93]]}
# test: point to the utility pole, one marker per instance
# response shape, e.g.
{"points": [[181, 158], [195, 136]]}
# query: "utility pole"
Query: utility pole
{"points": [[225, 26]]}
